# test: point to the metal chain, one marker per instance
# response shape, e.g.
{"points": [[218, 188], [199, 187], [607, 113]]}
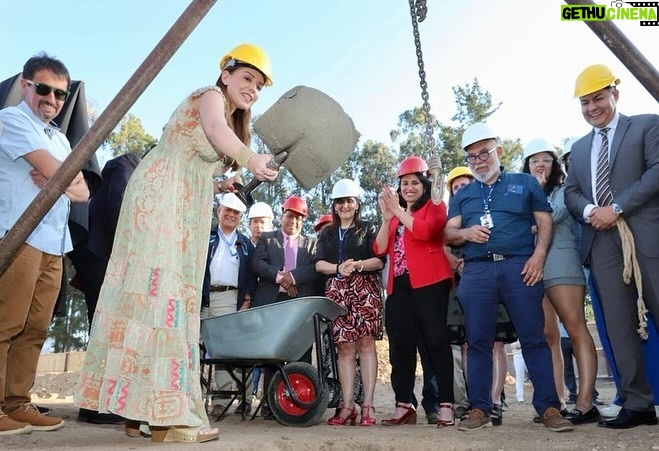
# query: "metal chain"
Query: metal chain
{"points": [[418, 11]]}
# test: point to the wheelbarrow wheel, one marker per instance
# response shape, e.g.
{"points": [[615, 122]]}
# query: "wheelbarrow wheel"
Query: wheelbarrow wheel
{"points": [[304, 381]]}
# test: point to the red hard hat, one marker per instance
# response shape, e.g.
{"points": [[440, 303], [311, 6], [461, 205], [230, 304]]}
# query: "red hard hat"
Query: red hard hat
{"points": [[296, 204], [321, 221], [411, 165]]}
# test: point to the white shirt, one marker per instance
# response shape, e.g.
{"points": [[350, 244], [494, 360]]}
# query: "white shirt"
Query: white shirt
{"points": [[225, 262], [594, 154], [22, 132]]}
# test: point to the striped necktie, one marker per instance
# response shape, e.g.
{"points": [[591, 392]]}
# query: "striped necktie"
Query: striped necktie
{"points": [[602, 186]]}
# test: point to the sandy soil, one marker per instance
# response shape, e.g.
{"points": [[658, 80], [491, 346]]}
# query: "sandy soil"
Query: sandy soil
{"points": [[517, 433]]}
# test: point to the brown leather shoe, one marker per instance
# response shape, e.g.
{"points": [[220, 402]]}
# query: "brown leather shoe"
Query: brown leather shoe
{"points": [[28, 413], [554, 421], [13, 427], [475, 419]]}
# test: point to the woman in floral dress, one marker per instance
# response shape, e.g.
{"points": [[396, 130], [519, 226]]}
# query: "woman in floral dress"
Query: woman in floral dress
{"points": [[142, 360], [345, 255]]}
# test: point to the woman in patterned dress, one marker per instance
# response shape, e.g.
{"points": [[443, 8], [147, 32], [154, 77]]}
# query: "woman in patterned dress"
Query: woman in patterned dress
{"points": [[142, 360], [418, 285], [345, 255]]}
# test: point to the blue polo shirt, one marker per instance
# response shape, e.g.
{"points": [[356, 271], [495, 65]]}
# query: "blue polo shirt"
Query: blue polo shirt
{"points": [[514, 198]]}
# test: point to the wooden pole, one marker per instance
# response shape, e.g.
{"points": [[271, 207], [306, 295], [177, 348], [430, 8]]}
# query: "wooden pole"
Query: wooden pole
{"points": [[101, 128]]}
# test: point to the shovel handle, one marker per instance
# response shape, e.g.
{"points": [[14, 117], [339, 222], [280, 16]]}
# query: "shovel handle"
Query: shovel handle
{"points": [[274, 164]]}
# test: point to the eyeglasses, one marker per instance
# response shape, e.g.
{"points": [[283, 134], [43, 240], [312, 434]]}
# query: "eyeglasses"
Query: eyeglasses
{"points": [[482, 156], [536, 161], [44, 90]]}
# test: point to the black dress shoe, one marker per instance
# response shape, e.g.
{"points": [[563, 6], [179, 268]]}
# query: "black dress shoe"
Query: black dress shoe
{"points": [[94, 417], [630, 418], [579, 417], [243, 409]]}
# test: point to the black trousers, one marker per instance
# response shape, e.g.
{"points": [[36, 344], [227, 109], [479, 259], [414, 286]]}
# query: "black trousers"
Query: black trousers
{"points": [[417, 317]]}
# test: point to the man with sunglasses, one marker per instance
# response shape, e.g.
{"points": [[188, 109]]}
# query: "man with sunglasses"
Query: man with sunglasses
{"points": [[31, 150], [491, 220]]}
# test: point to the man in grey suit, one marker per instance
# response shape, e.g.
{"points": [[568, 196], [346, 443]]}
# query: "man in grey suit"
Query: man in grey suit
{"points": [[285, 262], [614, 174]]}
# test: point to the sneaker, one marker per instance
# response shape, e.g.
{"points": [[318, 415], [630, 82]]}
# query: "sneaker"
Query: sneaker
{"points": [[554, 421], [43, 410], [28, 413], [497, 415], [475, 419], [432, 417], [12, 427], [610, 411]]}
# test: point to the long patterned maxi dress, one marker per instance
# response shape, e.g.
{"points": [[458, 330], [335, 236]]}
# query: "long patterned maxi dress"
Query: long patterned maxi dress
{"points": [[142, 359]]}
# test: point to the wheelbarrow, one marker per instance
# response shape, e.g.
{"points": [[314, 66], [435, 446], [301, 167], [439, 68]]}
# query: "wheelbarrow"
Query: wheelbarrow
{"points": [[276, 336]]}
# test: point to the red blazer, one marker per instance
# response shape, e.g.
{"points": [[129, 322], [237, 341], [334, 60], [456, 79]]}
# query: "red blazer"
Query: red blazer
{"points": [[424, 247]]}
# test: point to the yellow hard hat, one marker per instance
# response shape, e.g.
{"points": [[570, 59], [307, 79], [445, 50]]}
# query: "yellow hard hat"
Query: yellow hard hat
{"points": [[593, 78], [460, 171], [251, 55]]}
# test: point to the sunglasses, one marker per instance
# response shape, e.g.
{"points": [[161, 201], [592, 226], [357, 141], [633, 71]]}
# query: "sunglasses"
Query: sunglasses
{"points": [[44, 90]]}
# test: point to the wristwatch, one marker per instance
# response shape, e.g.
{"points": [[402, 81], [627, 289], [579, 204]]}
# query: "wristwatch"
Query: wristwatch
{"points": [[616, 209]]}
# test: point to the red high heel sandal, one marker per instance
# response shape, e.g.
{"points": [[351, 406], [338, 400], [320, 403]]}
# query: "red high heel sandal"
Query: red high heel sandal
{"points": [[338, 420], [442, 423], [367, 419], [409, 417]]}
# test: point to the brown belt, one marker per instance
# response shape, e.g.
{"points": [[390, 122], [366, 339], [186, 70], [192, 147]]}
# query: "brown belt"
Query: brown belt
{"points": [[222, 288]]}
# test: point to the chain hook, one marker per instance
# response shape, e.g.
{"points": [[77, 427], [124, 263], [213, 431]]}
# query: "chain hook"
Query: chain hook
{"points": [[418, 11]]}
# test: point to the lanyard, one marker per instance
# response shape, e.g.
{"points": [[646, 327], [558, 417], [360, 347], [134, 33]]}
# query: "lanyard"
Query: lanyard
{"points": [[230, 245], [487, 198], [342, 236]]}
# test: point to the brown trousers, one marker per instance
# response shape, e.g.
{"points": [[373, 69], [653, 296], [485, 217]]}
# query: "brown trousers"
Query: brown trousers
{"points": [[28, 291]]}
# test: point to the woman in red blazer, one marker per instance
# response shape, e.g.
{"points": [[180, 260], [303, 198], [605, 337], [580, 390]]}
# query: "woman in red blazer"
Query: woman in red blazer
{"points": [[419, 280]]}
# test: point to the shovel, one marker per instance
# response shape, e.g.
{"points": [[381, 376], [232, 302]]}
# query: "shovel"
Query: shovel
{"points": [[308, 131]]}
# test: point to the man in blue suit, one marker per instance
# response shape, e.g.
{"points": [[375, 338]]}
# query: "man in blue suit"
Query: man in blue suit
{"points": [[613, 188]]}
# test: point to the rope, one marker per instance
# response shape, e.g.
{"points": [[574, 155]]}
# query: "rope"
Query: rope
{"points": [[632, 269]]}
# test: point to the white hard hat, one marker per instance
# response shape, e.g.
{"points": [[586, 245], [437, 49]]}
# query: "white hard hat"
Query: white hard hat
{"points": [[537, 146], [230, 200], [477, 132], [260, 210], [567, 148], [346, 188]]}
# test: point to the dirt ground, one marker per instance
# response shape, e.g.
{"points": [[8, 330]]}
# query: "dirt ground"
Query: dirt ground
{"points": [[518, 432]]}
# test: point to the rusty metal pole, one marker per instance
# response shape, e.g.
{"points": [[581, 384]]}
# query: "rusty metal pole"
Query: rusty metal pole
{"points": [[101, 128], [625, 51]]}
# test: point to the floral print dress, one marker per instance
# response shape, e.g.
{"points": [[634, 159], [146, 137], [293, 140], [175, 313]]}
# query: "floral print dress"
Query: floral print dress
{"points": [[142, 360]]}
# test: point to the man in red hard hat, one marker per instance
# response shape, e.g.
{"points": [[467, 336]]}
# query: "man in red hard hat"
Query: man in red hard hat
{"points": [[285, 262]]}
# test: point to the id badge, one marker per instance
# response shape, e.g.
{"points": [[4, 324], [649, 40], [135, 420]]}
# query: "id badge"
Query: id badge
{"points": [[486, 220]]}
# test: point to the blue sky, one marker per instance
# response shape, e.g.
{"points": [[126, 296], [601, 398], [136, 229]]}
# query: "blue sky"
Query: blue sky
{"points": [[360, 52]]}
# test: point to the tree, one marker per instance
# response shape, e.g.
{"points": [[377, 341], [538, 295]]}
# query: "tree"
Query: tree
{"points": [[131, 137], [70, 331]]}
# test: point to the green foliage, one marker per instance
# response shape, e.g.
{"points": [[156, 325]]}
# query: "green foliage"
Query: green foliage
{"points": [[69, 332], [130, 137]]}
